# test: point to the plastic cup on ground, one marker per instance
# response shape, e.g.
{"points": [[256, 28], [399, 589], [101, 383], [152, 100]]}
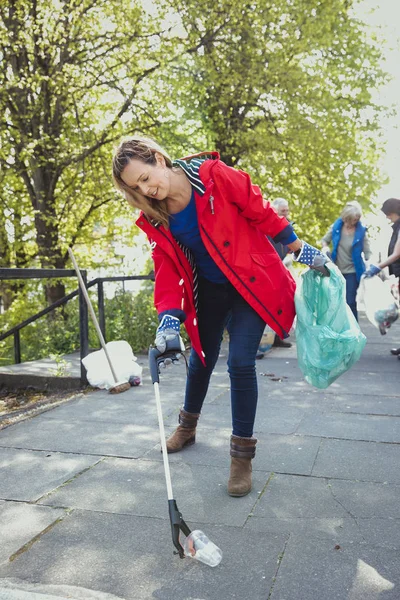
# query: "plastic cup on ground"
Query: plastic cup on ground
{"points": [[198, 546]]}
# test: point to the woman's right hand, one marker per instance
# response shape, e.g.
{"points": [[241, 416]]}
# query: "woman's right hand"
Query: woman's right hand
{"points": [[168, 332], [372, 271]]}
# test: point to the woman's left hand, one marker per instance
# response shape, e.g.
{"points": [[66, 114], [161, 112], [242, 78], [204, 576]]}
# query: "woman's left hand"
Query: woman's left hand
{"points": [[313, 258]]}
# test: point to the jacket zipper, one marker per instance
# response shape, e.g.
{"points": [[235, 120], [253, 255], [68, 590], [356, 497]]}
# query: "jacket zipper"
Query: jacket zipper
{"points": [[242, 282]]}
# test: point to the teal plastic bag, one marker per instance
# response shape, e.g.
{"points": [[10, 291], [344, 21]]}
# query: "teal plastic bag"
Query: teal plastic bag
{"points": [[328, 338]]}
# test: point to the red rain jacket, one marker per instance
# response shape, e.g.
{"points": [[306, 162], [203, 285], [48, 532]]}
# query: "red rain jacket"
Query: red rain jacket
{"points": [[234, 221]]}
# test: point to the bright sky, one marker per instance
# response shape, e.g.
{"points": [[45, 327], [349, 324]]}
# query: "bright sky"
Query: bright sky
{"points": [[383, 17]]}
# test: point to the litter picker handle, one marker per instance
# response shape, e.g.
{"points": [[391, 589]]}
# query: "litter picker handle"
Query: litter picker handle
{"points": [[156, 357], [92, 313]]}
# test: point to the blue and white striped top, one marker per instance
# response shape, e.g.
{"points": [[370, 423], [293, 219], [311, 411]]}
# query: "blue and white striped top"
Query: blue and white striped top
{"points": [[192, 172]]}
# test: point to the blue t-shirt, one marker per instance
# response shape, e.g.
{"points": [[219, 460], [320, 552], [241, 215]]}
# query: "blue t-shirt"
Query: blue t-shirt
{"points": [[185, 228]]}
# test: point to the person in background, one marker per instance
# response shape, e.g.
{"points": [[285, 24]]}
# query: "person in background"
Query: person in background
{"points": [[281, 207], [391, 208], [349, 243], [214, 268]]}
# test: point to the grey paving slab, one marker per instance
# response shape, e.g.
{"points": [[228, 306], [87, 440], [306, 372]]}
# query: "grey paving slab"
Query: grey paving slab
{"points": [[27, 475], [367, 500], [339, 530], [279, 453], [380, 347], [138, 488], [370, 382], [211, 449], [173, 384], [270, 418], [286, 453], [288, 396], [376, 428], [136, 406], [76, 436], [315, 569], [365, 461], [310, 492], [20, 522], [292, 496], [16, 589], [383, 532], [362, 404], [132, 558], [383, 361]]}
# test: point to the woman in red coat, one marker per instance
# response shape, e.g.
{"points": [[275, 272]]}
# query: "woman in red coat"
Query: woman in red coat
{"points": [[214, 268]]}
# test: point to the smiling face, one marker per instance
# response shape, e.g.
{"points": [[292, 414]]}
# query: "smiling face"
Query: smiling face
{"points": [[151, 180]]}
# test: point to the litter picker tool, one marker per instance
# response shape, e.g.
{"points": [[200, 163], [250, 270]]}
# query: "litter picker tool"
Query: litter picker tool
{"points": [[119, 386], [196, 544]]}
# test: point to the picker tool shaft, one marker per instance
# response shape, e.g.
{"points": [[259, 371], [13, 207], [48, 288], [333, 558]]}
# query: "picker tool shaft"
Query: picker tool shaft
{"points": [[175, 517]]}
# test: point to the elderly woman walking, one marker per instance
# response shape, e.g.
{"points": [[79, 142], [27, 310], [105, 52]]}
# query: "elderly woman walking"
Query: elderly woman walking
{"points": [[349, 243]]}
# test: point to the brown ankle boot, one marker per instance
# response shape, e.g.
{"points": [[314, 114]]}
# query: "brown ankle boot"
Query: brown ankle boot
{"points": [[185, 434], [243, 450]]}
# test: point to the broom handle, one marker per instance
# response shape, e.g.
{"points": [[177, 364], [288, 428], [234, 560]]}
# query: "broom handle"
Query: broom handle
{"points": [[92, 313]]}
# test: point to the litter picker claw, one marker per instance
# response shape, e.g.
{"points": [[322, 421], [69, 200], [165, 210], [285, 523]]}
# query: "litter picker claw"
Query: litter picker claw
{"points": [[196, 543]]}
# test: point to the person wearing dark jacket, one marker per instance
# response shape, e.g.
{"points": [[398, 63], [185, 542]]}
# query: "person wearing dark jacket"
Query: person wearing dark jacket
{"points": [[214, 268], [391, 208]]}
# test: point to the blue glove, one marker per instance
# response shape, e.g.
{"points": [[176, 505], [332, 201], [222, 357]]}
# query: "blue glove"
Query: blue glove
{"points": [[372, 270], [168, 331], [313, 258]]}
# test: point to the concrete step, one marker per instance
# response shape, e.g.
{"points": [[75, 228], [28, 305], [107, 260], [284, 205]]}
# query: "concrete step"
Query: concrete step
{"points": [[44, 374]]}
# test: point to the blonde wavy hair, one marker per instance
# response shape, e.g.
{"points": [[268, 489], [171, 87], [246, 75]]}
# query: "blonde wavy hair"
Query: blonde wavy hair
{"points": [[351, 211], [144, 149]]}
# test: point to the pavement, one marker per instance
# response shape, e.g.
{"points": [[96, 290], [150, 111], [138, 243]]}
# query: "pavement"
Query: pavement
{"points": [[83, 505]]}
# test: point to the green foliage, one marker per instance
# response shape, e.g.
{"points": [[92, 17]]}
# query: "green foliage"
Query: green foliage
{"points": [[129, 317], [283, 90], [132, 318], [57, 333], [71, 72]]}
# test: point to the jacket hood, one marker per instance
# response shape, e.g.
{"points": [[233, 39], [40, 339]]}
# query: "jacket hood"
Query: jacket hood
{"points": [[211, 155]]}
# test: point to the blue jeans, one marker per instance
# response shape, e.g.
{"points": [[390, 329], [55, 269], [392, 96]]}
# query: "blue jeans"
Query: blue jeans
{"points": [[351, 291], [220, 306]]}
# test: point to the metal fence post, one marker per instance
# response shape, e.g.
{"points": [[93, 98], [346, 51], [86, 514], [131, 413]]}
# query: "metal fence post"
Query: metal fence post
{"points": [[17, 348], [83, 329]]}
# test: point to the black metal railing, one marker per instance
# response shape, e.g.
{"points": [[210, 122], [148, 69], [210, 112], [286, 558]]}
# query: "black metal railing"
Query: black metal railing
{"points": [[13, 274]]}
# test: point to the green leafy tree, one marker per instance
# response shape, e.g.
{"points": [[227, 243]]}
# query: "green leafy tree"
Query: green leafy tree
{"points": [[71, 72], [284, 92]]}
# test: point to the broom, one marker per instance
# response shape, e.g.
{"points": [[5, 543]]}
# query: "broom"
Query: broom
{"points": [[119, 386]]}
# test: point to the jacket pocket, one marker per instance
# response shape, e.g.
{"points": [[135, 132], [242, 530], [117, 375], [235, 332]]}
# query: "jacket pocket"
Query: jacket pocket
{"points": [[271, 268], [265, 259]]}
